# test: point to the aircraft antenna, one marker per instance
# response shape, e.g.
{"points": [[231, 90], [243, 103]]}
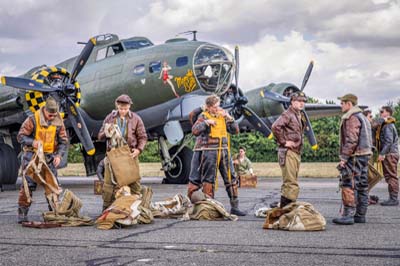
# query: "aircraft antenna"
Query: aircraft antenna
{"points": [[193, 32]]}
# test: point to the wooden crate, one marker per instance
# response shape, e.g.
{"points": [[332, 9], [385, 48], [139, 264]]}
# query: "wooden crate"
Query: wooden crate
{"points": [[248, 181], [98, 187]]}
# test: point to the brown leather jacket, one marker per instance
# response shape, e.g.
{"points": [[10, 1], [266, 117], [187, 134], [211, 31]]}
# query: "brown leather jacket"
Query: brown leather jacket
{"points": [[289, 127], [355, 134], [136, 135]]}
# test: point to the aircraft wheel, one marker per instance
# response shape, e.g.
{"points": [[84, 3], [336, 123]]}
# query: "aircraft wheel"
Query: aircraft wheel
{"points": [[8, 165], [180, 174]]}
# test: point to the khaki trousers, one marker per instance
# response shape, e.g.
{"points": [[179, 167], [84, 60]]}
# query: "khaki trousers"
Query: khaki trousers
{"points": [[290, 172]]}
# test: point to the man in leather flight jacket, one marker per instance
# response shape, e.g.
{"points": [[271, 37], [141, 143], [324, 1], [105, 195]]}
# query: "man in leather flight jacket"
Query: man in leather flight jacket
{"points": [[387, 143], [355, 151], [288, 131]]}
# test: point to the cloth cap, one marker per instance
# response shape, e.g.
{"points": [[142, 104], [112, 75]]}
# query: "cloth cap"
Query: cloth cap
{"points": [[123, 98], [349, 98], [298, 96], [51, 105]]}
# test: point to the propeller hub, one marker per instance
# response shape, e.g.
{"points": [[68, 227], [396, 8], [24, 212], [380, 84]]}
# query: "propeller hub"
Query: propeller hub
{"points": [[69, 89], [242, 100]]}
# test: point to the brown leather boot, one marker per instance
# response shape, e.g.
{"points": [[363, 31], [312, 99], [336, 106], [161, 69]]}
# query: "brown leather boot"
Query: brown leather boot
{"points": [[191, 188], [208, 189]]}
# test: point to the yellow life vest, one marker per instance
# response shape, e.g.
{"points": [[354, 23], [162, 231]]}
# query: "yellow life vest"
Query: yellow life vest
{"points": [[46, 135], [219, 129]]}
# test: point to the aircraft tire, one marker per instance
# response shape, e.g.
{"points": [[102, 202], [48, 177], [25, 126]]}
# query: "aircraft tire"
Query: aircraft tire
{"points": [[180, 174], [8, 165]]}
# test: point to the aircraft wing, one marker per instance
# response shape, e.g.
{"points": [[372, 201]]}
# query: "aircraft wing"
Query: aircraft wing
{"points": [[316, 110]]}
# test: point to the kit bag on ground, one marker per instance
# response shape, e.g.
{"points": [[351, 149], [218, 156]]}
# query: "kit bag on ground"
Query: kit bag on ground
{"points": [[124, 167], [297, 216]]}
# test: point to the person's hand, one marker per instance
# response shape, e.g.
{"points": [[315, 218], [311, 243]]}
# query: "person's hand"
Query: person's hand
{"points": [[228, 116], [289, 144], [35, 143], [211, 122], [56, 161], [108, 130], [135, 153], [381, 158], [236, 161], [342, 163]]}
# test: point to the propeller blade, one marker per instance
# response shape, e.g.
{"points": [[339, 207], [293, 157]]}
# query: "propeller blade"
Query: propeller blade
{"points": [[79, 126], [82, 59], [237, 66], [309, 132], [307, 75], [256, 122], [275, 96], [26, 84]]}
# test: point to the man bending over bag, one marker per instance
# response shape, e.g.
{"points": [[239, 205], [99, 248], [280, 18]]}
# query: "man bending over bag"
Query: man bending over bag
{"points": [[131, 128]]}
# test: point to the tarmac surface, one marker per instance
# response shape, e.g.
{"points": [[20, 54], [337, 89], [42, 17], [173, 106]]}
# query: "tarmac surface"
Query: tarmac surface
{"points": [[174, 242]]}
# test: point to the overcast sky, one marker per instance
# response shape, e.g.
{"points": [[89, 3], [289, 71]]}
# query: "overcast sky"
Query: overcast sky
{"points": [[355, 44]]}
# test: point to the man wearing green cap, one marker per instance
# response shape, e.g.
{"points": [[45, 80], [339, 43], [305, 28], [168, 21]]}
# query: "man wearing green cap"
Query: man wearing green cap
{"points": [[46, 128], [355, 150]]}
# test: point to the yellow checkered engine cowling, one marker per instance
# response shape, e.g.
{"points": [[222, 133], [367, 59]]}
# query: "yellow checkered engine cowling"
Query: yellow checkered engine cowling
{"points": [[36, 99]]}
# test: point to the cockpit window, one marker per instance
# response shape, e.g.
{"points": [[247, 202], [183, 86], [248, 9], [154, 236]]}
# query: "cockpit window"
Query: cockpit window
{"points": [[109, 51], [101, 54], [114, 49], [213, 68], [137, 44], [155, 66], [209, 54]]}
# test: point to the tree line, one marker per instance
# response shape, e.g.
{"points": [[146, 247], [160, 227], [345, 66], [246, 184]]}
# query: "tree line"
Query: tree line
{"points": [[261, 149]]}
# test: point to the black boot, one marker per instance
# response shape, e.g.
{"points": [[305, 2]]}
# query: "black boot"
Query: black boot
{"points": [[392, 201], [235, 208], [22, 214], [347, 218], [284, 201], [358, 219]]}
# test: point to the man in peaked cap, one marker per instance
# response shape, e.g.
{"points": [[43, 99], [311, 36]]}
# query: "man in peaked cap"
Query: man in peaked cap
{"points": [[355, 150], [46, 128], [288, 131]]}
